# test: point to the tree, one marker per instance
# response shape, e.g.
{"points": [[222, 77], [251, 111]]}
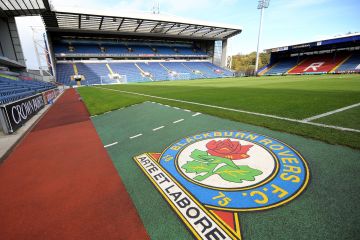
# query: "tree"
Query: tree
{"points": [[245, 63]]}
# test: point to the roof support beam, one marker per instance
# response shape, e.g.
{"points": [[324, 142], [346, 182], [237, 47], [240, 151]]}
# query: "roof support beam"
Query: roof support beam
{"points": [[37, 4], [184, 29], [27, 7], [141, 21], [32, 6], [4, 10], [101, 22], [210, 30], [20, 7], [79, 21], [220, 33], [155, 27], [170, 28], [46, 4], [120, 24], [12, 6], [4, 5], [197, 30]]}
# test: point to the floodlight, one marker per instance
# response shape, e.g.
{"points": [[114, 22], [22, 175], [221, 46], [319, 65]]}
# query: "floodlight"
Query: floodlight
{"points": [[262, 5]]}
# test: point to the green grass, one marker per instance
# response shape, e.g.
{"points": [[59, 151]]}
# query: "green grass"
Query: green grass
{"points": [[349, 118], [295, 97]]}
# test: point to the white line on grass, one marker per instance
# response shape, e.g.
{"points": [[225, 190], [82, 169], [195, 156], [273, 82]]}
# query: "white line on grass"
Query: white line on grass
{"points": [[186, 110], [196, 114], [109, 145], [177, 121], [238, 110], [330, 113], [140, 134], [158, 128]]}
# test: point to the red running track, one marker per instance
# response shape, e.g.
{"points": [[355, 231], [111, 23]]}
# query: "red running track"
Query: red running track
{"points": [[59, 183]]}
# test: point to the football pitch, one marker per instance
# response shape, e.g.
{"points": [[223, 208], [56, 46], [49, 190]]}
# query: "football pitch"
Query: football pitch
{"points": [[135, 119], [324, 107]]}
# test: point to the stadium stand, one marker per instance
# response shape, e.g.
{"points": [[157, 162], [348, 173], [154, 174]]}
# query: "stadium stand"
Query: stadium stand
{"points": [[180, 68], [322, 63], [339, 54], [352, 64], [15, 89], [130, 70], [64, 71], [203, 69], [156, 71], [282, 67], [98, 73], [131, 49]]}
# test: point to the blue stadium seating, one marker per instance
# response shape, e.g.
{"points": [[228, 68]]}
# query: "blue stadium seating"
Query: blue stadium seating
{"points": [[222, 71], [205, 70], [351, 65], [137, 48], [283, 66], [12, 90], [61, 48], [116, 49], [133, 74], [189, 51], [96, 73], [180, 68], [165, 50], [157, 71], [64, 71]]}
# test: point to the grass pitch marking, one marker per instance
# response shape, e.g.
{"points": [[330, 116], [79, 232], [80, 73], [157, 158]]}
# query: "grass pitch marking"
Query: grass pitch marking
{"points": [[177, 121], [237, 110], [158, 128], [196, 114], [330, 113], [138, 135], [109, 145]]}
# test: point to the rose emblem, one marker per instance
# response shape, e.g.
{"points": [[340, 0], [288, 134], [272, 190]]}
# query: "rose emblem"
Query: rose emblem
{"points": [[218, 160], [228, 149]]}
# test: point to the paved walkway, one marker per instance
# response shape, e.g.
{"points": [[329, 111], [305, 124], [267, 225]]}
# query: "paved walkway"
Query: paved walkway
{"points": [[59, 183]]}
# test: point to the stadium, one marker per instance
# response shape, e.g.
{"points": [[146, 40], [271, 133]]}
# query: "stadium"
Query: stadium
{"points": [[139, 126]]}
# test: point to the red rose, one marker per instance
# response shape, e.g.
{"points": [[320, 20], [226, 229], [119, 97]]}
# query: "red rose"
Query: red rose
{"points": [[228, 149]]}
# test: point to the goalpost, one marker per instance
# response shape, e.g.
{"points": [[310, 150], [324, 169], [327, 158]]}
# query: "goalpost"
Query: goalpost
{"points": [[113, 79], [179, 76]]}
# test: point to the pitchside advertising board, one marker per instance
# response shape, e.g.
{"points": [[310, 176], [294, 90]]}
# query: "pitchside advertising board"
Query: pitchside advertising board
{"points": [[210, 178], [19, 112], [49, 96]]}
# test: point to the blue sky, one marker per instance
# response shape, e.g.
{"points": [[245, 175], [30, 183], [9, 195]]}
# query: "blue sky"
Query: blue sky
{"points": [[286, 22]]}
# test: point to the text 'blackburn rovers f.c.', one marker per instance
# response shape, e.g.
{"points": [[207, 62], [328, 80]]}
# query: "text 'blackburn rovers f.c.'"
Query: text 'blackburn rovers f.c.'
{"points": [[210, 177]]}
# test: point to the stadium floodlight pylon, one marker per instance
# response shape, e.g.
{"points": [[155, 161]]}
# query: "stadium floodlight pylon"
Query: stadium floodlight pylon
{"points": [[262, 5]]}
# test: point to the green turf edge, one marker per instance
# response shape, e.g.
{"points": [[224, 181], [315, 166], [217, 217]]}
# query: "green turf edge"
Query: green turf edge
{"points": [[325, 210], [99, 101], [349, 118]]}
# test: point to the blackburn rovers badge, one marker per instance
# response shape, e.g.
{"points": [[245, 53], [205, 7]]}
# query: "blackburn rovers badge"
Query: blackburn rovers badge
{"points": [[210, 178]]}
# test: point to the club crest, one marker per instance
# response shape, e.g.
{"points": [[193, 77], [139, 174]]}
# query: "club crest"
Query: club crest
{"points": [[210, 177]]}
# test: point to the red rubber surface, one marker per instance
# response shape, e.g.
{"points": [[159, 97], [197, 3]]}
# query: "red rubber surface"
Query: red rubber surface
{"points": [[59, 183]]}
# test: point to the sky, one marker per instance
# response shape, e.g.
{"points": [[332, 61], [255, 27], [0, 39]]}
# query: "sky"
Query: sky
{"points": [[286, 22]]}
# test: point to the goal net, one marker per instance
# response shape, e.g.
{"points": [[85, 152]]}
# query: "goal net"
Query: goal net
{"points": [[179, 76], [113, 79]]}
